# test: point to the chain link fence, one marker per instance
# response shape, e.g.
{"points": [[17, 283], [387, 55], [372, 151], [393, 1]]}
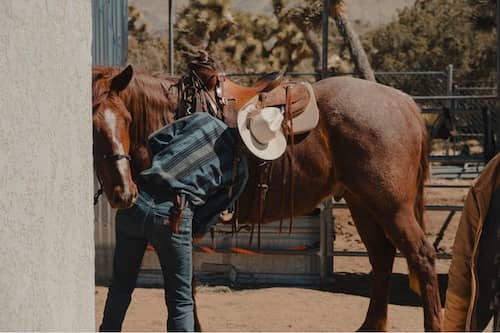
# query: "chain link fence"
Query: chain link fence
{"points": [[425, 83], [461, 129]]}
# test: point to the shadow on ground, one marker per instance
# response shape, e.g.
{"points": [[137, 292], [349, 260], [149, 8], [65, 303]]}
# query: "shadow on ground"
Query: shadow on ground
{"points": [[400, 293]]}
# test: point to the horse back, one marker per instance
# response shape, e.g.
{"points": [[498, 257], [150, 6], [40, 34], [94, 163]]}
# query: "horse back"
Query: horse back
{"points": [[377, 137]]}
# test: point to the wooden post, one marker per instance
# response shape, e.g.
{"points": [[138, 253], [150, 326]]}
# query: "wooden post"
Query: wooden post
{"points": [[326, 242]]}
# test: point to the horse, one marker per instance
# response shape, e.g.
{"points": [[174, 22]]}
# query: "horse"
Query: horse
{"points": [[369, 147]]}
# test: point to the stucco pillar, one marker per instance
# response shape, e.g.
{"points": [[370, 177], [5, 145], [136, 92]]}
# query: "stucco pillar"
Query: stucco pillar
{"points": [[46, 216]]}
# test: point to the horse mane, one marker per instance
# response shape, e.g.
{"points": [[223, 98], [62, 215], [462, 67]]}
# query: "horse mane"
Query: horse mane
{"points": [[152, 100]]}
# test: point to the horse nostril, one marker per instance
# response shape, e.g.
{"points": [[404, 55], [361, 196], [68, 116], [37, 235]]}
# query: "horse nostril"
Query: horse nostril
{"points": [[117, 195], [134, 196], [133, 192], [124, 197]]}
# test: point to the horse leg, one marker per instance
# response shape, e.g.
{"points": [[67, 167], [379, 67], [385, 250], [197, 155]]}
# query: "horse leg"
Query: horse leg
{"points": [[405, 233], [381, 254]]}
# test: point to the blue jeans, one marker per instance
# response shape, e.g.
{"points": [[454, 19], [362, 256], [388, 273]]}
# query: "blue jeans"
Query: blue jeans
{"points": [[135, 227]]}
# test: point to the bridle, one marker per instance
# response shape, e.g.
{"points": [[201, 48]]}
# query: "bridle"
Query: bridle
{"points": [[109, 157], [105, 157]]}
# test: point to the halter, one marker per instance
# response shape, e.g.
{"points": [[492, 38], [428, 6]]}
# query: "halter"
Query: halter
{"points": [[105, 157], [115, 157]]}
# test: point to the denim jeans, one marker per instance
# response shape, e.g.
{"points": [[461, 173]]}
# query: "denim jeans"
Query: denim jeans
{"points": [[135, 227]]}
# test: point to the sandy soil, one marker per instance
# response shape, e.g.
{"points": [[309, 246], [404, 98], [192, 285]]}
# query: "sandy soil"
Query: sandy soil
{"points": [[268, 309], [342, 308]]}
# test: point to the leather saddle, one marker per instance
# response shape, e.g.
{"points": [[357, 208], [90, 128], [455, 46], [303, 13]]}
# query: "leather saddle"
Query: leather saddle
{"points": [[225, 97], [243, 94], [229, 90], [206, 88]]}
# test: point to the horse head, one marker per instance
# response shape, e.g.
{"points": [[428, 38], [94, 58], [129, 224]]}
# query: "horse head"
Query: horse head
{"points": [[111, 121]]}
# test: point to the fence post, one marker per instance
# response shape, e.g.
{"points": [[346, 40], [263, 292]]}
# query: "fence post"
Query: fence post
{"points": [[326, 242], [451, 103], [171, 15], [449, 80], [489, 149]]}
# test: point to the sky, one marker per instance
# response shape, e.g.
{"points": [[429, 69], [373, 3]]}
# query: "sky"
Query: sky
{"points": [[364, 13]]}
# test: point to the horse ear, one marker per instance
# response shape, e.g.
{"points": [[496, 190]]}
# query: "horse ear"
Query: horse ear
{"points": [[120, 81]]}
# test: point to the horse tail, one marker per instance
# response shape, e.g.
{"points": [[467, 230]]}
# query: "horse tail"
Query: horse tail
{"points": [[422, 175]]}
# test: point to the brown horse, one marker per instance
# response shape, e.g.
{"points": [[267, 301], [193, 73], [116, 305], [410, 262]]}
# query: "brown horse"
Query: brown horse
{"points": [[370, 147]]}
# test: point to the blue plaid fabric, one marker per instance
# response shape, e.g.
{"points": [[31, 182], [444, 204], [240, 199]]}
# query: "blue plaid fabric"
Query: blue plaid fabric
{"points": [[195, 156]]}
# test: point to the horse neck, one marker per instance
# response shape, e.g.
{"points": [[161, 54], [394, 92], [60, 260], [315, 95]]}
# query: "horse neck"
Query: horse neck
{"points": [[153, 103]]}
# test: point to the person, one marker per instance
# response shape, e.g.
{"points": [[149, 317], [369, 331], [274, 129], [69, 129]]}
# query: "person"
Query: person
{"points": [[198, 170], [476, 253]]}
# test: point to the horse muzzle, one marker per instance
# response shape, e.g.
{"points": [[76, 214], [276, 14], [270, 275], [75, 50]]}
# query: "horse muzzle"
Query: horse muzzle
{"points": [[123, 197]]}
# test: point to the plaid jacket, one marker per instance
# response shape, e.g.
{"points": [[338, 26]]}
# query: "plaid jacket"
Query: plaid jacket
{"points": [[197, 156]]}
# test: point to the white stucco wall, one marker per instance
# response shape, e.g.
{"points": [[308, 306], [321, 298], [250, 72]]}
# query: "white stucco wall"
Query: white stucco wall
{"points": [[46, 216]]}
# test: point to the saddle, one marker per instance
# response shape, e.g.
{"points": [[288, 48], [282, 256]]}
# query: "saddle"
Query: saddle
{"points": [[242, 94], [302, 111], [207, 89], [223, 97], [217, 94]]}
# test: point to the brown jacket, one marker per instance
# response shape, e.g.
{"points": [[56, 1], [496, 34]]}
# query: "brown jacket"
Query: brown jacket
{"points": [[461, 295]]}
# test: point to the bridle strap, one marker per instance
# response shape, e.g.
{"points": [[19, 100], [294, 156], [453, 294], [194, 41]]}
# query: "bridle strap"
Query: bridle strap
{"points": [[116, 157], [113, 157], [99, 191]]}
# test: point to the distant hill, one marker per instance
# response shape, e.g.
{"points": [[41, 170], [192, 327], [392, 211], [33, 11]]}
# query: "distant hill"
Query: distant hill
{"points": [[366, 14]]}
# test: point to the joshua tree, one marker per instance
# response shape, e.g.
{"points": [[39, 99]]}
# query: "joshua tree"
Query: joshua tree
{"points": [[484, 15], [351, 38]]}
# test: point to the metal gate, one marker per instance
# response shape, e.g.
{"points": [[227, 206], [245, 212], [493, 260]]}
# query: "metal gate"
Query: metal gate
{"points": [[109, 48]]}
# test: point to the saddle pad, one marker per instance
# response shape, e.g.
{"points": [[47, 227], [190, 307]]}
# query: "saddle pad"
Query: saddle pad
{"points": [[307, 120], [303, 121], [277, 97]]}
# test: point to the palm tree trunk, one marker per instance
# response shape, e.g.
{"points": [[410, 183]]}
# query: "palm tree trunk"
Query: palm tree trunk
{"points": [[352, 40]]}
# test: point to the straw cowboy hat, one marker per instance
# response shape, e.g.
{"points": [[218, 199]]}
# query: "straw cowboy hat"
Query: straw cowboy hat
{"points": [[261, 132]]}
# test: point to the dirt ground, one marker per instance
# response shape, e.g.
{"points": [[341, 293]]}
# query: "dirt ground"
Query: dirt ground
{"points": [[341, 308]]}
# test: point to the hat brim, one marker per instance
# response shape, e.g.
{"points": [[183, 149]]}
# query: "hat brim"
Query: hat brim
{"points": [[270, 151]]}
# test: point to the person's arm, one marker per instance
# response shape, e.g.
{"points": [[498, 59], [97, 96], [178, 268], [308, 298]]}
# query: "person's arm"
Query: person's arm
{"points": [[208, 215]]}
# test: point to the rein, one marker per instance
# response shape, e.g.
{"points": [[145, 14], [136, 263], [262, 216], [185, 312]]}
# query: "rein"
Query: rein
{"points": [[195, 97]]}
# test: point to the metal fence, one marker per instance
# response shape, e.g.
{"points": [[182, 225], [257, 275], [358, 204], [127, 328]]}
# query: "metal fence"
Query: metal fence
{"points": [[461, 128], [109, 32], [422, 83]]}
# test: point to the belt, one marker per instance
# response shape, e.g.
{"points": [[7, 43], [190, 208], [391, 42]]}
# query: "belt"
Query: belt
{"points": [[164, 193]]}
